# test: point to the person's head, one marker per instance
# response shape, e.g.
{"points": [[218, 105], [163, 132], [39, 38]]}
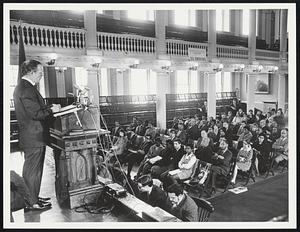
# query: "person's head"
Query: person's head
{"points": [[269, 114], [121, 133], [274, 129], [262, 123], [203, 134], [225, 125], [210, 119], [251, 112], [177, 144], [223, 144], [205, 103], [234, 101], [180, 126], [279, 112], [192, 122], [223, 116], [273, 111], [146, 123], [169, 144], [203, 117], [189, 148], [172, 133], [229, 113], [134, 119], [222, 133], [258, 112], [145, 183], [243, 124], [117, 124], [158, 141], [174, 192], [33, 70], [150, 125], [261, 138], [245, 144], [284, 133], [241, 112], [210, 130], [196, 117]]}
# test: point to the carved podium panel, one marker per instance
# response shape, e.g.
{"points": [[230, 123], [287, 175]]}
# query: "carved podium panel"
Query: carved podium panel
{"points": [[75, 153]]}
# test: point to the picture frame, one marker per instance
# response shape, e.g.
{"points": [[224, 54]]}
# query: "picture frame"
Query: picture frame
{"points": [[262, 84]]}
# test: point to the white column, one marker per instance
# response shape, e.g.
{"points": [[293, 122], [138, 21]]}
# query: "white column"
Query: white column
{"points": [[93, 84], [281, 90], [112, 81], [90, 24], [162, 89], [250, 91], [283, 35], [201, 76], [268, 27], [277, 25], [212, 35], [252, 35], [161, 20], [120, 83], [263, 24], [172, 83], [211, 95], [259, 24], [126, 81]]}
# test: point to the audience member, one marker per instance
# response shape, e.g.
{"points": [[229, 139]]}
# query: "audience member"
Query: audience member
{"points": [[184, 207], [192, 131], [150, 131], [251, 117], [264, 148], [116, 129], [281, 147], [181, 134], [204, 147], [243, 162]]}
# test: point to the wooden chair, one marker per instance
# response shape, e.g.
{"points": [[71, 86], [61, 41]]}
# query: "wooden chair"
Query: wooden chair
{"points": [[205, 208], [249, 173], [271, 161]]}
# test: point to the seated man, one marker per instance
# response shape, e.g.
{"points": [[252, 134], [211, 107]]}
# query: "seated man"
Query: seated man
{"points": [[155, 150], [221, 165], [155, 196], [281, 147], [183, 206], [137, 155], [245, 136]]}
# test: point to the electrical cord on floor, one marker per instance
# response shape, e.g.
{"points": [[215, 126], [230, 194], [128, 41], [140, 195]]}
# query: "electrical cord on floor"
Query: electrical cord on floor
{"points": [[107, 205]]}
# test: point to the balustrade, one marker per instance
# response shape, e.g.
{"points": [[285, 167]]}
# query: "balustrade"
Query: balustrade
{"points": [[125, 43], [45, 36], [232, 52], [180, 48]]}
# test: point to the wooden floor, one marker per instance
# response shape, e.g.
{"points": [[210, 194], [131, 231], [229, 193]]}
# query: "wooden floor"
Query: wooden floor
{"points": [[58, 214]]}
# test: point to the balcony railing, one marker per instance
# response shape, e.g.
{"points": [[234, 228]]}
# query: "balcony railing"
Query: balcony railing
{"points": [[45, 36], [180, 47], [41, 36], [232, 52], [125, 43]]}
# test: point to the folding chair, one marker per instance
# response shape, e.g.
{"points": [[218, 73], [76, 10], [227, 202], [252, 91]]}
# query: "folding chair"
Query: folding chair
{"points": [[205, 208]]}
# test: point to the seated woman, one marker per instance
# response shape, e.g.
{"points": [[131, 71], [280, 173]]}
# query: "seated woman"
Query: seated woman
{"points": [[243, 162], [281, 147], [186, 164], [204, 147], [264, 148], [119, 146]]}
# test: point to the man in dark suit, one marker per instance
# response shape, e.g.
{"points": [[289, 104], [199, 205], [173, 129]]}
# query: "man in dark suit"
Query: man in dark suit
{"points": [[221, 165], [153, 195], [33, 117]]}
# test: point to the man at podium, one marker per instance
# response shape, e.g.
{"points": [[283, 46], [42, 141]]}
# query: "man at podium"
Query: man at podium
{"points": [[33, 117]]}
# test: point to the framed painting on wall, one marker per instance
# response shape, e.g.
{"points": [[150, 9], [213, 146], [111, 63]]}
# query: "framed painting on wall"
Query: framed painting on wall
{"points": [[262, 84]]}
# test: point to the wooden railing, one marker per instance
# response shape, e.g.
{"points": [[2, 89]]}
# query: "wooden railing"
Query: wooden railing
{"points": [[180, 47], [125, 43], [232, 52], [45, 36]]}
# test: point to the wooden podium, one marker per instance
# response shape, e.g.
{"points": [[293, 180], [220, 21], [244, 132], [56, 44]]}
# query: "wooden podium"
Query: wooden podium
{"points": [[75, 153]]}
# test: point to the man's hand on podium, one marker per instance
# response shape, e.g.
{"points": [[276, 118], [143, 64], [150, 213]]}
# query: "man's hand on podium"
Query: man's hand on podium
{"points": [[55, 108]]}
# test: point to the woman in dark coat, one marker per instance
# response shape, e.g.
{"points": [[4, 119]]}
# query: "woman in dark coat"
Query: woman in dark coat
{"points": [[264, 147]]}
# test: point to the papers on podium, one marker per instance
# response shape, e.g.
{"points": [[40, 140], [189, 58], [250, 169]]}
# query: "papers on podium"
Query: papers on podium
{"points": [[173, 172], [66, 110], [155, 159]]}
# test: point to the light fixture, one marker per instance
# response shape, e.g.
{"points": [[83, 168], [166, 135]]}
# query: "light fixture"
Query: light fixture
{"points": [[166, 66], [258, 68], [53, 57], [240, 68], [51, 62], [219, 68], [61, 69], [194, 66], [135, 64], [95, 65], [273, 69]]}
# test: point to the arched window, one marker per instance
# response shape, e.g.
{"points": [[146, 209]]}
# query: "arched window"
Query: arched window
{"points": [[182, 83], [138, 79], [103, 82]]}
